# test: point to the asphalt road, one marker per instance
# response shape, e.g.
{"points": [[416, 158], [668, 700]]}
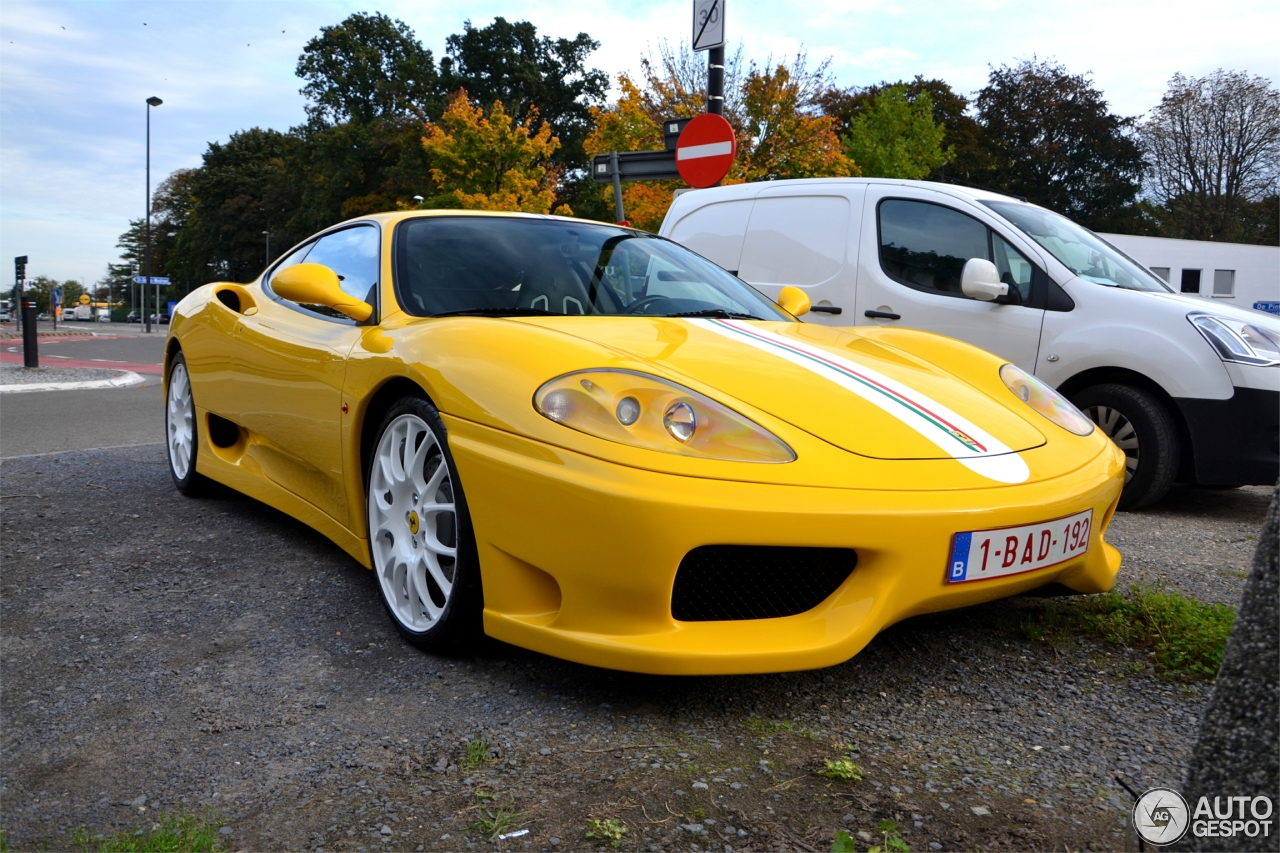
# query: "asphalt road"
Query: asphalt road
{"points": [[159, 652], [56, 421]]}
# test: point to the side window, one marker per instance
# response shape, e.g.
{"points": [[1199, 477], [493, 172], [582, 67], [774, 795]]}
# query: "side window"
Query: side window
{"points": [[1015, 270], [927, 245], [353, 254]]}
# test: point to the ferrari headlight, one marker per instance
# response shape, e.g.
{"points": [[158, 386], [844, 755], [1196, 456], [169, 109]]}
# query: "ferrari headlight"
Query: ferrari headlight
{"points": [[1045, 400], [1242, 343], [645, 411]]}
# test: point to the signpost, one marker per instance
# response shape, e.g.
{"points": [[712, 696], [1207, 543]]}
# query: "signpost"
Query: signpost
{"points": [[19, 276], [155, 279], [56, 308], [705, 152], [708, 24]]}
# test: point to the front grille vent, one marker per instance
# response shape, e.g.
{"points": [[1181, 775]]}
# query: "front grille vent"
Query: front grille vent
{"points": [[718, 583]]}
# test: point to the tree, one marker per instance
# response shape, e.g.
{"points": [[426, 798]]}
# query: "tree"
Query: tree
{"points": [[1053, 140], [784, 133], [630, 126], [365, 68], [491, 162], [1213, 145], [968, 159], [508, 62], [897, 137]]}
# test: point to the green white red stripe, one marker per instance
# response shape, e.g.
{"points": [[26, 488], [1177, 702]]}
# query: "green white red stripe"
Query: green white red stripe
{"points": [[955, 435]]}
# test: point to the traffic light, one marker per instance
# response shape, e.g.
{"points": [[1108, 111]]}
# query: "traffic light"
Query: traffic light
{"points": [[20, 268]]}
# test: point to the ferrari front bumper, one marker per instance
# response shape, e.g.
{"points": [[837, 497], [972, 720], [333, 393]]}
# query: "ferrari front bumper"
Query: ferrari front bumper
{"points": [[579, 556]]}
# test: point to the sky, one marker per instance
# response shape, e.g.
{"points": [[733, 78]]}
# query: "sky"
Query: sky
{"points": [[74, 76]]}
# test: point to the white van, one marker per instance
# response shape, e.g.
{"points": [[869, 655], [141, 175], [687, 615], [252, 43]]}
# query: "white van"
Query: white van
{"points": [[1190, 391]]}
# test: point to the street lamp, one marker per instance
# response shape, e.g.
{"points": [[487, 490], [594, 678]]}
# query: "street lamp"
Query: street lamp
{"points": [[267, 234], [153, 101], [418, 199]]}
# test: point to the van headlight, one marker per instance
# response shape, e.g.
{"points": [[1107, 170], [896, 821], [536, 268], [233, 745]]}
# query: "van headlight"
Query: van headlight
{"points": [[1237, 341], [655, 414], [1045, 400]]}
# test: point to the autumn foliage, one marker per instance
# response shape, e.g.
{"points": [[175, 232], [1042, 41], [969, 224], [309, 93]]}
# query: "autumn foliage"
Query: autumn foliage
{"points": [[491, 162]]}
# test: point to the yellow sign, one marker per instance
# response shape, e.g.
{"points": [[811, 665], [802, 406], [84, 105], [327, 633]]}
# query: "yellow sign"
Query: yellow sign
{"points": [[84, 299]]}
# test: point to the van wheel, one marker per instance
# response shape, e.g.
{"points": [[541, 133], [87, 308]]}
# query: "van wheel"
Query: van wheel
{"points": [[1141, 426]]}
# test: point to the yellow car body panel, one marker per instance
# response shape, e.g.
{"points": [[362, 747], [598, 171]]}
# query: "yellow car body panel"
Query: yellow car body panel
{"points": [[579, 537]]}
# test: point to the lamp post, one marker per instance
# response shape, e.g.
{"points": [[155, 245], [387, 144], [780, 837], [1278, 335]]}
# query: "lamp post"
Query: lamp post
{"points": [[153, 101], [267, 234]]}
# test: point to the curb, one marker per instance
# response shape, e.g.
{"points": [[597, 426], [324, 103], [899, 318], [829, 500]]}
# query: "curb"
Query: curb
{"points": [[124, 380]]}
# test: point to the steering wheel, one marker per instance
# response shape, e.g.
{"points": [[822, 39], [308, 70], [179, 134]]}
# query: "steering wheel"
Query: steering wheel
{"points": [[634, 307]]}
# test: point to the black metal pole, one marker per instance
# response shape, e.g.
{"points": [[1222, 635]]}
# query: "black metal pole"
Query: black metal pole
{"points": [[146, 263], [30, 355], [715, 80], [619, 215]]}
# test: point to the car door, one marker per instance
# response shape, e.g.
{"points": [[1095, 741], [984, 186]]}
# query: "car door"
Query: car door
{"points": [[914, 244], [808, 241], [293, 359]]}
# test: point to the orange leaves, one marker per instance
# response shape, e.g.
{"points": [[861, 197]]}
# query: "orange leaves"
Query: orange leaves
{"points": [[491, 162]]}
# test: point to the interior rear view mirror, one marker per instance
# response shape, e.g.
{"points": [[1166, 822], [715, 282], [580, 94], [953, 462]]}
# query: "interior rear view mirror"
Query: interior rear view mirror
{"points": [[981, 280]]}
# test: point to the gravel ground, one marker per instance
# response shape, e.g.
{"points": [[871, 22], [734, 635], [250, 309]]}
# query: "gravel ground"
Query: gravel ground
{"points": [[159, 652], [16, 374]]}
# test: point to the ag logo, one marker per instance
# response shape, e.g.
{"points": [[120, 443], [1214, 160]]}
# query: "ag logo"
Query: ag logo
{"points": [[1161, 816]]}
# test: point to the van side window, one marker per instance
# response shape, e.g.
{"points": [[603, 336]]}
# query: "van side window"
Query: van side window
{"points": [[800, 240], [926, 245]]}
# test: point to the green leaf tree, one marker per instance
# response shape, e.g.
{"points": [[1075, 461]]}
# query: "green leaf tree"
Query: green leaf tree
{"points": [[897, 137]]}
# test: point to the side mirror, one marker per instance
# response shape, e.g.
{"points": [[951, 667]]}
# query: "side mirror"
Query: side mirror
{"points": [[981, 280], [316, 284], [795, 301]]}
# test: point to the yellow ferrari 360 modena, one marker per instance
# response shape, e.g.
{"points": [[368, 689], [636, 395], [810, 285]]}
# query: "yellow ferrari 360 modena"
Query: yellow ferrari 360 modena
{"points": [[588, 441]]}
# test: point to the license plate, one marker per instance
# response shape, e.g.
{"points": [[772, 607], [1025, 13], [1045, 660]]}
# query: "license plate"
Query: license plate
{"points": [[982, 554]]}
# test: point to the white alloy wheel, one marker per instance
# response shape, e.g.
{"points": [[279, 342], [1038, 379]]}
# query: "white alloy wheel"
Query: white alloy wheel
{"points": [[1120, 430], [180, 423], [413, 525]]}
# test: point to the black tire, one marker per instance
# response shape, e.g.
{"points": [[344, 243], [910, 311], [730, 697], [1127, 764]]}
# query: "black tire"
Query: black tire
{"points": [[459, 623], [189, 482], [1140, 425]]}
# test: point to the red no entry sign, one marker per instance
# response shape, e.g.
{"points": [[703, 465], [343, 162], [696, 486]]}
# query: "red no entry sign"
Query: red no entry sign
{"points": [[706, 150]]}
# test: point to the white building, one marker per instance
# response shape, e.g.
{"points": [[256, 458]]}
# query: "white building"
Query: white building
{"points": [[1244, 275]]}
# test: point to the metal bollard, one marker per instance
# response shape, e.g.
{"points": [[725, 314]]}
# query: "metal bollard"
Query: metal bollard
{"points": [[30, 355]]}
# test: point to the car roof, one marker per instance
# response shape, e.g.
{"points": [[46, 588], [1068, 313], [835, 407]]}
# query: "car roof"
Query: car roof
{"points": [[737, 191]]}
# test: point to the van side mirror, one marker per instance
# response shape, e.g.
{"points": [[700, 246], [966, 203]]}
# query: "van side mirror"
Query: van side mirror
{"points": [[981, 280], [316, 284], [795, 301]]}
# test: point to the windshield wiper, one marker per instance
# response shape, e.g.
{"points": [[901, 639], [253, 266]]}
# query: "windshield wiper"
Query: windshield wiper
{"points": [[715, 312], [500, 312]]}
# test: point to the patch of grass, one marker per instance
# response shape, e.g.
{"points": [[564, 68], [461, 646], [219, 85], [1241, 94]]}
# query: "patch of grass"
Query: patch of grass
{"points": [[172, 833], [893, 842], [493, 821], [477, 753], [843, 769], [611, 830], [697, 814], [1187, 637], [764, 728]]}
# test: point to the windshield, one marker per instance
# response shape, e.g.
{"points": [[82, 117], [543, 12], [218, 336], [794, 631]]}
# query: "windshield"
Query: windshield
{"points": [[1079, 249], [509, 266]]}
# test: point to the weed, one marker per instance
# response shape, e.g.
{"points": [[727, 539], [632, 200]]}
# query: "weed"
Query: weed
{"points": [[493, 821], [611, 830], [1187, 637], [697, 814], [843, 769], [893, 842], [843, 843], [477, 752], [763, 728], [170, 834]]}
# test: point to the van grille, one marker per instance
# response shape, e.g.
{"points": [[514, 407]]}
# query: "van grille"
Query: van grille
{"points": [[720, 583]]}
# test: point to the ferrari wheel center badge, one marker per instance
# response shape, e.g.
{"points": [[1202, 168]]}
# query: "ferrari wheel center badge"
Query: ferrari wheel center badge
{"points": [[413, 523]]}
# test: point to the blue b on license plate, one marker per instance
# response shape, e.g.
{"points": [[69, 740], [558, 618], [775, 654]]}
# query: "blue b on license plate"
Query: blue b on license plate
{"points": [[982, 554]]}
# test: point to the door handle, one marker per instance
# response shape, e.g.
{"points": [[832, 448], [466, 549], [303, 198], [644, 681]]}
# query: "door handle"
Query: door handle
{"points": [[880, 315], [827, 309]]}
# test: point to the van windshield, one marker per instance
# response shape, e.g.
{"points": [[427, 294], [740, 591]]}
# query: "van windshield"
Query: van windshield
{"points": [[1079, 249], [503, 266]]}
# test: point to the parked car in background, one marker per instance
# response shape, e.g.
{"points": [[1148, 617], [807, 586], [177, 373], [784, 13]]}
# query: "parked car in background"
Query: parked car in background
{"points": [[1190, 390], [5, 316], [133, 317]]}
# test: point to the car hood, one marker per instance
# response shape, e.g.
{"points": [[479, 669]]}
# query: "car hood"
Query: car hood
{"points": [[865, 397], [1235, 312]]}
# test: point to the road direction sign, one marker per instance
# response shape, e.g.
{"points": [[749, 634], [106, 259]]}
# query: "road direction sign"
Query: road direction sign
{"points": [[155, 279], [57, 296], [636, 166], [706, 150], [708, 24]]}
